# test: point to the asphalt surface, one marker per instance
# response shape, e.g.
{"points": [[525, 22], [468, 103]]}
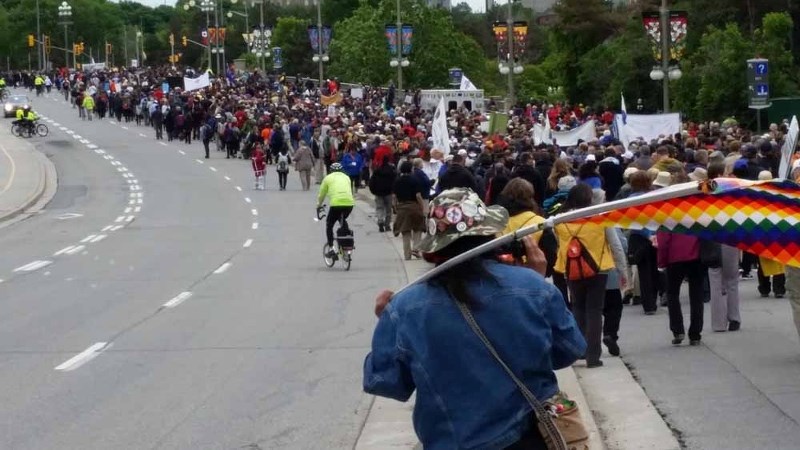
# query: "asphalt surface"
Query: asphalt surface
{"points": [[259, 345], [738, 390]]}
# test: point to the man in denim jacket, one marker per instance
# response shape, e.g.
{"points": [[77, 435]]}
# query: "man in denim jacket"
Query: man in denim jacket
{"points": [[465, 399]]}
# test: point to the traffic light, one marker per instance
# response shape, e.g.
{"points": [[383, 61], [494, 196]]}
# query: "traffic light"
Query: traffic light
{"points": [[185, 41], [31, 40], [47, 44], [109, 48], [79, 48]]}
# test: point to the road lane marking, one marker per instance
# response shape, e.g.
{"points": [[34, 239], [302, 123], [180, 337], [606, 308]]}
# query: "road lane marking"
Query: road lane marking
{"points": [[83, 357], [112, 122], [68, 131], [98, 238], [35, 265], [254, 211], [64, 250], [247, 243], [223, 268], [85, 141], [128, 210], [238, 188], [115, 228], [124, 127], [13, 172], [139, 201], [77, 137], [62, 128], [130, 218], [181, 152], [107, 227], [199, 161], [213, 169], [120, 219], [100, 151], [75, 250], [227, 178], [162, 143], [90, 237], [178, 299], [56, 124], [247, 199], [142, 135], [137, 209], [255, 225]]}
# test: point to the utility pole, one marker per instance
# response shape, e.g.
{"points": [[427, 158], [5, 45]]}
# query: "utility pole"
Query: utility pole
{"points": [[399, 35], [320, 40], [39, 45], [510, 26], [261, 25], [665, 38]]}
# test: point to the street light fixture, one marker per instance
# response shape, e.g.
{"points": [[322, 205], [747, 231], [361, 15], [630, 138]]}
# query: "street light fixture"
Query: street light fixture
{"points": [[64, 15], [667, 31]]}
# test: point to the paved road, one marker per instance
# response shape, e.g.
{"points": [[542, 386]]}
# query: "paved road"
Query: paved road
{"points": [[261, 346], [737, 391]]}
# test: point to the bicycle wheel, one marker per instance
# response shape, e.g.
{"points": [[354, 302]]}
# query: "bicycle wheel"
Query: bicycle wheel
{"points": [[15, 130], [42, 130], [346, 259], [329, 261]]}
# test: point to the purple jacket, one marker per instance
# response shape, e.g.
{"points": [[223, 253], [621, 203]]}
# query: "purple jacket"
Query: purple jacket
{"points": [[673, 248]]}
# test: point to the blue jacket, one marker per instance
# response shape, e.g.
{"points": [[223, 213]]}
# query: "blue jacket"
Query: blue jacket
{"points": [[465, 399], [423, 180], [352, 164]]}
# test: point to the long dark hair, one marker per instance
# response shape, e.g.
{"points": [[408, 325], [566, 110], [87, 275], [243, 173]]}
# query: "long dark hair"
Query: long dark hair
{"points": [[580, 196], [454, 280]]}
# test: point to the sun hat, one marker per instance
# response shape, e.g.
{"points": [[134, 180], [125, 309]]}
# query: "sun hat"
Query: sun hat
{"points": [[628, 172], [698, 174], [457, 213], [765, 175], [663, 179]]}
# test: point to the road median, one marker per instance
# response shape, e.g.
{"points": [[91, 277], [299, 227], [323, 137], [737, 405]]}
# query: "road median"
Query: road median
{"points": [[26, 175]]}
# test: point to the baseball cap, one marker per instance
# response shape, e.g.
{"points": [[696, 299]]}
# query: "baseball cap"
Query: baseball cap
{"points": [[457, 213]]}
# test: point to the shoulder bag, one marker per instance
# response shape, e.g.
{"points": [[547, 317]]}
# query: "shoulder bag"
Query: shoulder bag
{"points": [[559, 420]]}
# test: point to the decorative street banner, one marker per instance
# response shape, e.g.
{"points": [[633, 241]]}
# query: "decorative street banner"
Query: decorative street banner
{"points": [[212, 36], [277, 58], [787, 152], [678, 22], [204, 36], [313, 38], [520, 36], [652, 26], [406, 36], [391, 39], [193, 84], [500, 30], [326, 38]]}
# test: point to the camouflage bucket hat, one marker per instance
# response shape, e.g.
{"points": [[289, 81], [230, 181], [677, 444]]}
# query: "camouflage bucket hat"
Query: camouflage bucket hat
{"points": [[457, 213]]}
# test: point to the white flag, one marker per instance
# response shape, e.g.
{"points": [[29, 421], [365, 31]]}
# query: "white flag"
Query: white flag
{"points": [[441, 137], [788, 149], [547, 135], [467, 85], [193, 84], [624, 109]]}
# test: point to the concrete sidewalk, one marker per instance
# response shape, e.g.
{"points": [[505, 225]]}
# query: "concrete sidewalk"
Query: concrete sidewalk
{"points": [[27, 178], [388, 424]]}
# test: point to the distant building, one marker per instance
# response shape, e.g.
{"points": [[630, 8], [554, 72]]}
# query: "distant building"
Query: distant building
{"points": [[446, 4]]}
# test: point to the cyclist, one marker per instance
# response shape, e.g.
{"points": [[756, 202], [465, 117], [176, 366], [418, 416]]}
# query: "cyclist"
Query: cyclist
{"points": [[26, 119], [39, 83], [2, 87], [336, 186]]}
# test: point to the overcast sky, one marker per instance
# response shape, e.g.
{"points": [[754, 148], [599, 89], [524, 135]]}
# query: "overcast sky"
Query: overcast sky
{"points": [[477, 5]]}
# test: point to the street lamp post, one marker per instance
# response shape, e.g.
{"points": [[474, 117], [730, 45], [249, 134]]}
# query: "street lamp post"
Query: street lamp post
{"points": [[65, 13], [206, 6], [39, 44], [139, 58], [665, 73], [510, 67], [321, 57], [260, 44]]}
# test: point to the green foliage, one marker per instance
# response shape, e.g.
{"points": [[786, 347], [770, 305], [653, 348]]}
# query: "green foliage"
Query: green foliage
{"points": [[291, 35]]}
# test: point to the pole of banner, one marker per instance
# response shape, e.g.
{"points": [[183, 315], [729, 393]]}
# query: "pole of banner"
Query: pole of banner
{"points": [[319, 40], [671, 192]]}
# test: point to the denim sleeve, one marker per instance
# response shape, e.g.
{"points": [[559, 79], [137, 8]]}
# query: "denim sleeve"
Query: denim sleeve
{"points": [[568, 342], [385, 371]]}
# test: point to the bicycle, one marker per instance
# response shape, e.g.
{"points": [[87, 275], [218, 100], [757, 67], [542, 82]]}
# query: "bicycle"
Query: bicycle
{"points": [[343, 244], [38, 129]]}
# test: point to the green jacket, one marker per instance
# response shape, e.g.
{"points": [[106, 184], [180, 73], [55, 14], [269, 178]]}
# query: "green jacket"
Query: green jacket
{"points": [[338, 187]]}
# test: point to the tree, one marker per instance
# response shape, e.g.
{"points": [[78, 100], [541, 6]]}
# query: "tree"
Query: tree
{"points": [[291, 35], [358, 48]]}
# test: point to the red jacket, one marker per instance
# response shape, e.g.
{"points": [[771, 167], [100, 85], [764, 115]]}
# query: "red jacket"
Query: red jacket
{"points": [[674, 248], [381, 153], [257, 159]]}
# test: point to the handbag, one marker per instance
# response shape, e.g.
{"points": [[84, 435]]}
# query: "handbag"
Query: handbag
{"points": [[559, 420]]}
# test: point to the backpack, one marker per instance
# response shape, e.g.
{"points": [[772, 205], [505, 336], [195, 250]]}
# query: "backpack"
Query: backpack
{"points": [[580, 264], [283, 162]]}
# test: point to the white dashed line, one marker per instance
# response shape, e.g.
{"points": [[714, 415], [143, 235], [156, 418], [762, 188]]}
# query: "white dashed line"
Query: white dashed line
{"points": [[91, 236], [247, 243], [108, 227], [238, 188], [36, 265], [247, 199], [69, 131], [137, 209], [255, 225], [128, 210], [139, 201], [82, 357], [99, 151], [77, 137], [77, 249], [119, 219], [98, 238], [85, 141], [56, 124], [163, 143], [227, 178], [142, 135], [64, 250], [213, 169], [199, 161], [254, 211], [223, 268], [115, 228], [182, 152], [91, 146], [124, 127], [130, 218], [112, 122], [178, 299]]}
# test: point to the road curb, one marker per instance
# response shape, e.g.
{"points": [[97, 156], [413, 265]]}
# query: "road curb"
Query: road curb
{"points": [[388, 424], [47, 183]]}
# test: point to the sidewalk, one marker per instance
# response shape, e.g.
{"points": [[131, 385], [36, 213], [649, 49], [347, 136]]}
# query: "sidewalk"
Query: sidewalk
{"points": [[27, 178], [388, 424]]}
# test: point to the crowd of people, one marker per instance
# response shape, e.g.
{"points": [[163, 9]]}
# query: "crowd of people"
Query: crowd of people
{"points": [[386, 146]]}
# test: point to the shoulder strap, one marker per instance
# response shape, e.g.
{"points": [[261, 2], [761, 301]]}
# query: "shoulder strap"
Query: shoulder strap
{"points": [[544, 416]]}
